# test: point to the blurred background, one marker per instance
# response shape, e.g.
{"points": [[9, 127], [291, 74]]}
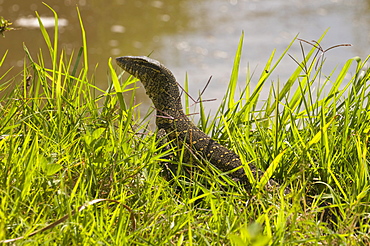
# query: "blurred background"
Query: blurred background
{"points": [[194, 37]]}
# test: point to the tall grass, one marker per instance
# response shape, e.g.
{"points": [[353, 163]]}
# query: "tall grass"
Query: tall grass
{"points": [[61, 146]]}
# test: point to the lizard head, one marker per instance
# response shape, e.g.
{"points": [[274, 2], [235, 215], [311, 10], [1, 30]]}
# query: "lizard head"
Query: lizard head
{"points": [[159, 82], [148, 70]]}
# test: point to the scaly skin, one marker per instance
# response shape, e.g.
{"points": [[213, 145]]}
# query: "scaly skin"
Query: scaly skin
{"points": [[162, 88]]}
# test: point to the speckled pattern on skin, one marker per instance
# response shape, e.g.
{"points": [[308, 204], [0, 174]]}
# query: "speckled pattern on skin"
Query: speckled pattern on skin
{"points": [[162, 88]]}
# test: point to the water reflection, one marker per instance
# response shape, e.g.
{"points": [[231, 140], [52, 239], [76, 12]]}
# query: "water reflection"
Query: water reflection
{"points": [[33, 22]]}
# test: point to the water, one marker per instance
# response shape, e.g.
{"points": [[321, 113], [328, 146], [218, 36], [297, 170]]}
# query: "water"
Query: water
{"points": [[194, 37]]}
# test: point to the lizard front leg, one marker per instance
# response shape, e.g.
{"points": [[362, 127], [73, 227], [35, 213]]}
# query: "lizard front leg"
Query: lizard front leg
{"points": [[169, 169]]}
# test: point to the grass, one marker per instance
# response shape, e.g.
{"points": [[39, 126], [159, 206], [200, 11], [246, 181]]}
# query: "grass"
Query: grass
{"points": [[62, 146]]}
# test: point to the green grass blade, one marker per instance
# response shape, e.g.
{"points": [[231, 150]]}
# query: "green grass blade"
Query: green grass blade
{"points": [[84, 44], [235, 73]]}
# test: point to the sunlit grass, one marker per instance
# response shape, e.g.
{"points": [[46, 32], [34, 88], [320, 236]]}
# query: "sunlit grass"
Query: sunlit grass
{"points": [[61, 147]]}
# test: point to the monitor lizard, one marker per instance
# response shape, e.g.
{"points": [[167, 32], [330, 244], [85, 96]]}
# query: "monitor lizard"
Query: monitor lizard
{"points": [[162, 88]]}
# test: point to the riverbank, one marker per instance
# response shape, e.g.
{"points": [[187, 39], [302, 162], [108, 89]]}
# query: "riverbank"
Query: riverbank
{"points": [[62, 146]]}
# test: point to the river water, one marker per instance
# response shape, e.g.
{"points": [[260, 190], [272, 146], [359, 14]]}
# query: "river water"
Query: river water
{"points": [[194, 37]]}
